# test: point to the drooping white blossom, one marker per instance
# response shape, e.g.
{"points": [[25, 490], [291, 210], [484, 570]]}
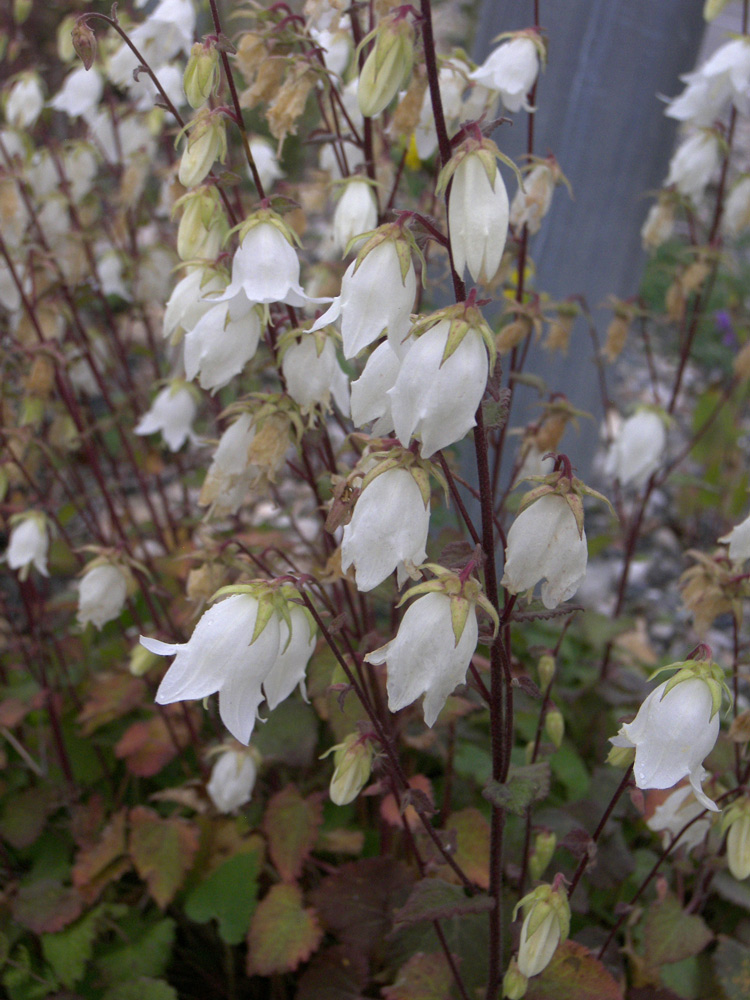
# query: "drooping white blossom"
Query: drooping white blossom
{"points": [[478, 212], [738, 540], [694, 163], [546, 923], [435, 400], [424, 658], [191, 298], [266, 162], [511, 69], [232, 780], [544, 544], [369, 394], [388, 529], [356, 212], [266, 268], [638, 448], [171, 414], [231, 473], [80, 92], [314, 375], [25, 101], [672, 734], [28, 545], [674, 813], [101, 595], [222, 655], [295, 649], [221, 343]]}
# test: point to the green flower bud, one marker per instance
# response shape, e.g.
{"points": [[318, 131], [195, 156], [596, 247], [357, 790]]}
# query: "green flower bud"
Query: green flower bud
{"points": [[554, 725], [207, 142], [544, 847], [141, 661], [514, 982], [387, 67], [546, 923], [353, 764], [737, 820], [546, 669], [201, 74], [621, 756]]}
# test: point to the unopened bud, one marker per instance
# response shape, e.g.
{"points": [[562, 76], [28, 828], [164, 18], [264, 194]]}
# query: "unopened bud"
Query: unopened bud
{"points": [[514, 982], [207, 142], [546, 923], [141, 661], [203, 225], [84, 42], [513, 334], [201, 74], [21, 10], [541, 855], [546, 669], [621, 756], [737, 821], [353, 764], [387, 67], [617, 335], [554, 725]]}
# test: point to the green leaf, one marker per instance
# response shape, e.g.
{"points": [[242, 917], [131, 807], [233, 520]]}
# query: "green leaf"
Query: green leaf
{"points": [[290, 736], [732, 968], [25, 815], [671, 935], [228, 895], [568, 768], [142, 988], [433, 899], [573, 974], [472, 853], [162, 851], [146, 951], [291, 824], [473, 763], [46, 906], [524, 785], [22, 982], [282, 933], [69, 951], [423, 977]]}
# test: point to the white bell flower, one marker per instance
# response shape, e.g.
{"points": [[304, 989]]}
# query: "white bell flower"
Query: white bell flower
{"points": [[435, 400], [28, 545], [424, 658], [370, 399], [738, 540], [672, 734], [478, 212], [453, 80], [532, 202], [388, 528], [679, 808], [80, 93], [190, 300], [375, 299], [231, 473], [222, 655], [544, 544], [232, 780], [295, 650], [221, 343], [25, 101], [703, 100], [638, 449], [736, 217], [694, 163], [101, 595], [266, 268], [356, 213], [511, 69], [266, 162], [171, 413], [313, 376]]}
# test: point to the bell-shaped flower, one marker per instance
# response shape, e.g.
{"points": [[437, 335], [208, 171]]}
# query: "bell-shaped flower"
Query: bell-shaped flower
{"points": [[437, 391], [230, 651], [638, 448], [24, 103], [313, 374], [28, 544], [426, 657], [221, 343], [377, 296], [171, 413], [694, 163], [266, 162], [101, 594], [266, 266], [206, 143], [546, 923], [231, 473], [511, 69], [675, 812], [738, 541], [232, 779], [737, 821], [80, 92], [388, 528], [675, 729], [296, 646], [356, 212], [203, 224], [190, 299], [544, 543], [478, 212], [370, 399]]}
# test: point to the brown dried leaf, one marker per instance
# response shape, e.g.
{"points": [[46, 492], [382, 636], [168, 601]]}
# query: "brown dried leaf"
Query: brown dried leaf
{"points": [[291, 824], [110, 696], [282, 933], [162, 851], [46, 906], [149, 745], [104, 862]]}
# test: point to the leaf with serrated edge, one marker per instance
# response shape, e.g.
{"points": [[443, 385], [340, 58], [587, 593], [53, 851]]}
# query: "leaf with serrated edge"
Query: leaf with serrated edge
{"points": [[282, 933], [732, 967], [524, 785], [671, 935], [228, 895], [291, 824], [162, 851], [422, 977], [573, 974], [434, 899], [46, 906]]}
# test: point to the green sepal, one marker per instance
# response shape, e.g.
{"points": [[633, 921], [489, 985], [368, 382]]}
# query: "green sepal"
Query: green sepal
{"points": [[460, 608]]}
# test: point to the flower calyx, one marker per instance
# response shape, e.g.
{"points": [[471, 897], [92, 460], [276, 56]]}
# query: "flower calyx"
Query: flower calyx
{"points": [[273, 409], [389, 63], [463, 318], [463, 591], [267, 216], [402, 238], [476, 144], [704, 669], [562, 482], [273, 597], [201, 73]]}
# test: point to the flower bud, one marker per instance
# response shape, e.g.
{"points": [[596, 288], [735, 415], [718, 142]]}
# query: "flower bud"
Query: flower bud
{"points": [[737, 821], [203, 225], [387, 67], [541, 855], [207, 142], [201, 74], [84, 43], [232, 779], [554, 725], [546, 923], [353, 764], [102, 594], [621, 756], [514, 982], [546, 669], [478, 211], [356, 212], [29, 544]]}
